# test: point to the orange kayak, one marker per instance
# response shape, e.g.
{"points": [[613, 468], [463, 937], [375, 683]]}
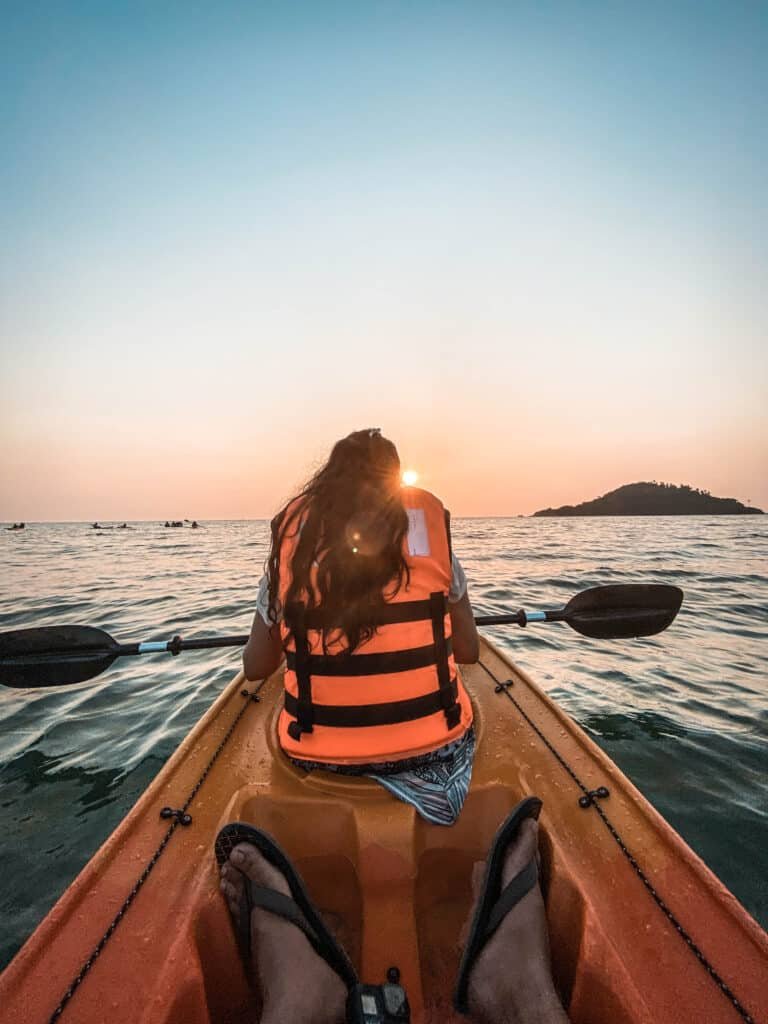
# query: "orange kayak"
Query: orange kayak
{"points": [[641, 931]]}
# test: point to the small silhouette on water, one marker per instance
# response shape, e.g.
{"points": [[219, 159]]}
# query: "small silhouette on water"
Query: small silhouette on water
{"points": [[195, 524], [17, 526], [174, 522]]}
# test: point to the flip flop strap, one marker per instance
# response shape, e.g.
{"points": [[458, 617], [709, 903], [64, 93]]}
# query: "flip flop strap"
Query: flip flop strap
{"points": [[521, 884], [280, 905]]}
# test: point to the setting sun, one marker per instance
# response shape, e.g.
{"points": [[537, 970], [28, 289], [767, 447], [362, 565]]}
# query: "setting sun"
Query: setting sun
{"points": [[410, 476]]}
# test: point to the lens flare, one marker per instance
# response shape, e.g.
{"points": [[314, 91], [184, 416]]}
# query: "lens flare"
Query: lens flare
{"points": [[410, 476]]}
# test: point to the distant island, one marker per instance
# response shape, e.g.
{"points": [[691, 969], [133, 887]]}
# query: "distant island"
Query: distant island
{"points": [[654, 499]]}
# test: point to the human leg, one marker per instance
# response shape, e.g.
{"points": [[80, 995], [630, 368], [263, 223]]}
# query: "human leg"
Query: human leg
{"points": [[506, 976], [295, 981]]}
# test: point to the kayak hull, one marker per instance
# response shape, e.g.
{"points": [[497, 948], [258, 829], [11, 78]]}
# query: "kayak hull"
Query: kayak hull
{"points": [[395, 888]]}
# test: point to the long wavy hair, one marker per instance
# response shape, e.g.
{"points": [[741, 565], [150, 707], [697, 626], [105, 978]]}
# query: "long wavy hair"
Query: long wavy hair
{"points": [[348, 556]]}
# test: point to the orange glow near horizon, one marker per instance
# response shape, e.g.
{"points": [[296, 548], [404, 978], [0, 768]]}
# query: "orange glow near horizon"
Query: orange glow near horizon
{"points": [[245, 477], [540, 293]]}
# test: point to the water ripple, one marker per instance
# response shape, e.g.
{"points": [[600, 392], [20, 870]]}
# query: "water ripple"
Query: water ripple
{"points": [[683, 714]]}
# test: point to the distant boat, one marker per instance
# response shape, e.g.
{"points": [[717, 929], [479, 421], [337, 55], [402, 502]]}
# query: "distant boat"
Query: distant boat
{"points": [[175, 522], [17, 526]]}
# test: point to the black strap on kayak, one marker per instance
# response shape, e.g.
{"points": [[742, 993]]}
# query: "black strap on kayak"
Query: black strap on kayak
{"points": [[251, 697], [587, 800]]}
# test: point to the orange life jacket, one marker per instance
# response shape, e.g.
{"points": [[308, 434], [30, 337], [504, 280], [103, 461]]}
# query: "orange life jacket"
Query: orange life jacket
{"points": [[399, 694]]}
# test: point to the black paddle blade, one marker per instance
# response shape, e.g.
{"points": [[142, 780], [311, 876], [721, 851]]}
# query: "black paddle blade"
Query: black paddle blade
{"points": [[623, 610], [54, 655]]}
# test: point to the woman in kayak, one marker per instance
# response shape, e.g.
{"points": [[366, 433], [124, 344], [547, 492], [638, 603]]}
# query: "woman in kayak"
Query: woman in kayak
{"points": [[369, 605]]}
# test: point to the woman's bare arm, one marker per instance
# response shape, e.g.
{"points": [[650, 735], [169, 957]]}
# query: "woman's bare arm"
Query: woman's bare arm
{"points": [[466, 643], [264, 650]]}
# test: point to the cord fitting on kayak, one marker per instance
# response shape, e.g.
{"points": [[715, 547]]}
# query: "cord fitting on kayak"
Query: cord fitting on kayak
{"points": [[503, 687], [593, 795], [253, 696], [181, 816]]}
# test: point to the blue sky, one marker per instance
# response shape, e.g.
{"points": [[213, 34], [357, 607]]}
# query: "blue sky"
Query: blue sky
{"points": [[233, 232]]}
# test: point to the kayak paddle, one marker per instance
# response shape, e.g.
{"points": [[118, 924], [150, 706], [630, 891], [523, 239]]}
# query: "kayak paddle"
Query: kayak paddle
{"points": [[62, 655], [615, 612]]}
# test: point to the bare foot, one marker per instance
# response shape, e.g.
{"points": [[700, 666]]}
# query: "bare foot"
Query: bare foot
{"points": [[511, 981], [295, 983]]}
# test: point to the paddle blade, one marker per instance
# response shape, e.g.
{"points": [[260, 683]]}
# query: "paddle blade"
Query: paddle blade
{"points": [[54, 655], [623, 610]]}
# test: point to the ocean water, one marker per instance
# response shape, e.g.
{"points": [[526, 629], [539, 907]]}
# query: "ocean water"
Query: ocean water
{"points": [[684, 714]]}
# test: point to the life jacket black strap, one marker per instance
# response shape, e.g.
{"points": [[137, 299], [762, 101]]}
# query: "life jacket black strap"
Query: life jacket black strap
{"points": [[304, 715], [357, 716], [400, 611], [443, 648], [448, 535], [369, 664]]}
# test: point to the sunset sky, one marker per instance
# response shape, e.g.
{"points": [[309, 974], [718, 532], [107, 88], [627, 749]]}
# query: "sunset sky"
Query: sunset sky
{"points": [[527, 240]]}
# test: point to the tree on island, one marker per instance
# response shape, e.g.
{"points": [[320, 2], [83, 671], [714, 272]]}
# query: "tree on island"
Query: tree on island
{"points": [[650, 498]]}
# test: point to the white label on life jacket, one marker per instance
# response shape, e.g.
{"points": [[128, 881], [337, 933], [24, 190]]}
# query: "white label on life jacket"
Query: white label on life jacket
{"points": [[418, 538]]}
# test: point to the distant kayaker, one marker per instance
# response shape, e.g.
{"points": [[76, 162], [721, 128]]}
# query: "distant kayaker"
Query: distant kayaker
{"points": [[369, 605], [195, 524]]}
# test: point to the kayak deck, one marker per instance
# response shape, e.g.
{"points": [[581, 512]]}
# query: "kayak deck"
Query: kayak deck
{"points": [[396, 888]]}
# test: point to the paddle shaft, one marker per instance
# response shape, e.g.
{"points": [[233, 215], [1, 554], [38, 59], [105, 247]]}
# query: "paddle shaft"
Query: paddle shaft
{"points": [[521, 618], [174, 646], [177, 645], [62, 655]]}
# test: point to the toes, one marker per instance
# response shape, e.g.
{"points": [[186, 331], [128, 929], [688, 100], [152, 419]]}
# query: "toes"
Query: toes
{"points": [[232, 880], [231, 895], [247, 859]]}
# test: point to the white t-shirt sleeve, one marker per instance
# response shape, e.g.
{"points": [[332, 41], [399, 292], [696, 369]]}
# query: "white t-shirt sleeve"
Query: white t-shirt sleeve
{"points": [[262, 600], [458, 581]]}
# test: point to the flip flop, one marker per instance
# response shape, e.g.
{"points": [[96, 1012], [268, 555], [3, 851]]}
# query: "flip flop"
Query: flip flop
{"points": [[297, 908], [493, 904]]}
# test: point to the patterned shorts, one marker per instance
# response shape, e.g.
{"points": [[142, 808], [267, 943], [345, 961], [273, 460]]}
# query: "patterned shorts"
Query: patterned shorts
{"points": [[436, 784]]}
